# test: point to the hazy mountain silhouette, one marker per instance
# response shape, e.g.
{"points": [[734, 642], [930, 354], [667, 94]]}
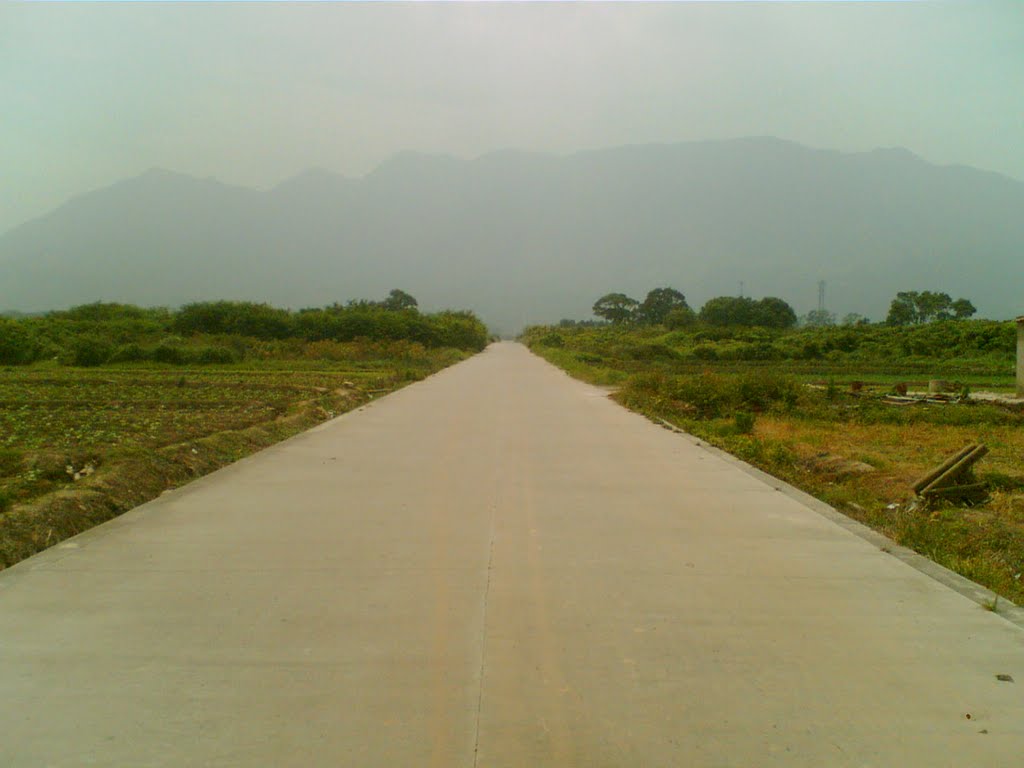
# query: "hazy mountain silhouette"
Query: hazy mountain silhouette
{"points": [[526, 237]]}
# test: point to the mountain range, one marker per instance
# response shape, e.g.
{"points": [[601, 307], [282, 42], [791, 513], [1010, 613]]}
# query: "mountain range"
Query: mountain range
{"points": [[525, 237]]}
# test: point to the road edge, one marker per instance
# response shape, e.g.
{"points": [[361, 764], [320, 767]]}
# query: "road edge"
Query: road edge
{"points": [[984, 597]]}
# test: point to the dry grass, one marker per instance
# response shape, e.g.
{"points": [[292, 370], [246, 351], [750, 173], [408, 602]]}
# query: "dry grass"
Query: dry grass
{"points": [[984, 543]]}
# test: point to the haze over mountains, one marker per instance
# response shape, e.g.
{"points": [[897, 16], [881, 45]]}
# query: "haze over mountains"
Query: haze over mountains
{"points": [[523, 237]]}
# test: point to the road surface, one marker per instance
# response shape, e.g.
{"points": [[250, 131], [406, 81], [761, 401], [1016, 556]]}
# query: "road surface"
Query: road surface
{"points": [[494, 567]]}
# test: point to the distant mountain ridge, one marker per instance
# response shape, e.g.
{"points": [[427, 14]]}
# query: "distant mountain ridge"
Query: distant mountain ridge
{"points": [[524, 237]]}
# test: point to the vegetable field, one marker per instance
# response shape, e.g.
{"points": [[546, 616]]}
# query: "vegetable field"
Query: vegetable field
{"points": [[80, 445], [107, 410]]}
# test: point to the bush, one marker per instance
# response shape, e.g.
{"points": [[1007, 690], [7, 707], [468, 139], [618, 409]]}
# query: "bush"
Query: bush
{"points": [[169, 353], [88, 351], [552, 340], [243, 318], [461, 330], [17, 345], [761, 389], [744, 422], [706, 393], [709, 395]]}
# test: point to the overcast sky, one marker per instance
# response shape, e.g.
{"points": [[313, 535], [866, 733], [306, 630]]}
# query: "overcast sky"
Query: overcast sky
{"points": [[253, 93]]}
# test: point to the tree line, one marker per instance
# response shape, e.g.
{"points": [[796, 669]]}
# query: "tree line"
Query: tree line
{"points": [[668, 307], [93, 334]]}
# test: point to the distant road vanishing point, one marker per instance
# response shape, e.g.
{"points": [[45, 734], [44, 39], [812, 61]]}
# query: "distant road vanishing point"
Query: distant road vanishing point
{"points": [[496, 566]]}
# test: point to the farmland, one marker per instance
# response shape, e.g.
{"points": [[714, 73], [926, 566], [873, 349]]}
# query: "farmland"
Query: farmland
{"points": [[111, 405], [813, 407]]}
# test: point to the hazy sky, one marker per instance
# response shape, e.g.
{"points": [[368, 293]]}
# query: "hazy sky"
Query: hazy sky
{"points": [[253, 93]]}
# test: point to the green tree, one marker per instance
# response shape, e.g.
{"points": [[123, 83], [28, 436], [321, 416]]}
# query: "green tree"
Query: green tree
{"points": [[680, 317], [462, 330], [819, 318], [727, 310], [773, 312], [769, 312], [616, 307], [903, 309], [915, 307], [934, 306], [398, 300], [962, 309], [659, 302]]}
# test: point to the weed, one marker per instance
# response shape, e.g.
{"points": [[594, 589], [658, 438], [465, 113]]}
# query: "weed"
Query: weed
{"points": [[831, 390], [744, 422], [552, 340]]}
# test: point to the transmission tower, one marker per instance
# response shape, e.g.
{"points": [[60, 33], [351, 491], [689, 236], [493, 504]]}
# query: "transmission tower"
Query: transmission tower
{"points": [[821, 295]]}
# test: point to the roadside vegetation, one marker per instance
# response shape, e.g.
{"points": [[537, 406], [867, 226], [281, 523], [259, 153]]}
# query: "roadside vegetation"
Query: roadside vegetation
{"points": [[104, 406], [813, 405]]}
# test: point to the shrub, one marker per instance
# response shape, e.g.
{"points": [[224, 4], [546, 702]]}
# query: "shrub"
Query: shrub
{"points": [[89, 351], [244, 318], [761, 388], [744, 422], [17, 345], [707, 393], [809, 351], [169, 353], [462, 330], [552, 340]]}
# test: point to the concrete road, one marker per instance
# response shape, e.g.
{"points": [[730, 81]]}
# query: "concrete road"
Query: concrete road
{"points": [[494, 567]]}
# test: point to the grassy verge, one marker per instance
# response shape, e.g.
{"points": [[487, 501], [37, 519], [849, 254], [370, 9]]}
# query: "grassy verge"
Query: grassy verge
{"points": [[850, 449], [79, 446]]}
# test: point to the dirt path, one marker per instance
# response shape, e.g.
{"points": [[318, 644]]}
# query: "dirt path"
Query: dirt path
{"points": [[496, 567]]}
